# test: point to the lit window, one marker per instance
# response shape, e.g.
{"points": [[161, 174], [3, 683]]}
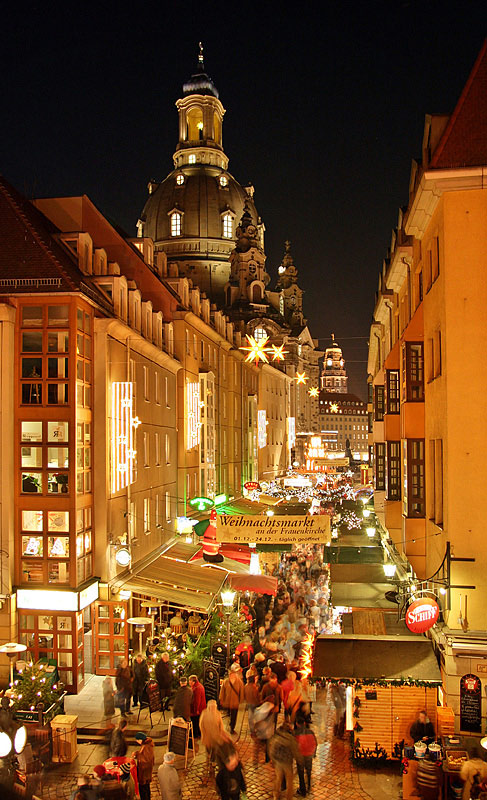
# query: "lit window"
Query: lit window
{"points": [[223, 180], [227, 226], [192, 159], [180, 179], [259, 333], [176, 223]]}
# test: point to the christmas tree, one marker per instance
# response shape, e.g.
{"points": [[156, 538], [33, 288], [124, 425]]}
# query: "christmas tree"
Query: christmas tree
{"points": [[33, 687]]}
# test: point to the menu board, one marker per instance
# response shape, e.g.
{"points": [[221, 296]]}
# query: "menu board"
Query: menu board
{"points": [[219, 654], [470, 703], [153, 696], [178, 738], [211, 680]]}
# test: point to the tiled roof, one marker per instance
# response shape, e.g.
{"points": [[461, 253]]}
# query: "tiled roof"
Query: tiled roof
{"points": [[30, 257], [464, 141]]}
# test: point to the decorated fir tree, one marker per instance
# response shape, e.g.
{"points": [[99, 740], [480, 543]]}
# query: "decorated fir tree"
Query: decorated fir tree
{"points": [[33, 687]]}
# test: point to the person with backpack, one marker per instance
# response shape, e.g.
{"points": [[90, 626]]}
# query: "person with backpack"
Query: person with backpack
{"points": [[307, 745], [264, 724], [283, 749]]}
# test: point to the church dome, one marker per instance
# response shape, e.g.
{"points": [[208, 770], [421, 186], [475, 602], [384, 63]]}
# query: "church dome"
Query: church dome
{"points": [[202, 193]]}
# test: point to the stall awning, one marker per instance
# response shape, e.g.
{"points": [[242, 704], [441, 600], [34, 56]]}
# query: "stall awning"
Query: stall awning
{"points": [[242, 506], [186, 585], [379, 657], [263, 584]]}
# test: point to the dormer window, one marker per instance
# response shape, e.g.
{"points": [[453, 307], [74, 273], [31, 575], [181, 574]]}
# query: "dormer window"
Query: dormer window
{"points": [[227, 226], [223, 181], [191, 158], [176, 223], [179, 179]]}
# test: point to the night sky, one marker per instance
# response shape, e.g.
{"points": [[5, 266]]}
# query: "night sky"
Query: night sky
{"points": [[325, 109]]}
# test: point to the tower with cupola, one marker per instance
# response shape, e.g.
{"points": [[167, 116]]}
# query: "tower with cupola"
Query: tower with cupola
{"points": [[334, 377], [290, 294]]}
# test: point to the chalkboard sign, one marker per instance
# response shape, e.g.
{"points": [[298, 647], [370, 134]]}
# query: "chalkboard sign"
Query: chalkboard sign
{"points": [[371, 694], [153, 696], [219, 654], [211, 680], [470, 703], [178, 739]]}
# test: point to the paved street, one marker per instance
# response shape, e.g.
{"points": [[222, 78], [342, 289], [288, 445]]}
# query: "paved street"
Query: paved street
{"points": [[334, 777]]}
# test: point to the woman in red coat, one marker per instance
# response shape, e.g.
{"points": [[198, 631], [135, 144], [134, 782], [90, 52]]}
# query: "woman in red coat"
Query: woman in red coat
{"points": [[198, 703]]}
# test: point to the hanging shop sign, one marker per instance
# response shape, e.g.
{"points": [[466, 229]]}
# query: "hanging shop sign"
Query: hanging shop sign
{"points": [[470, 703], [251, 486], [422, 614], [201, 503], [245, 528]]}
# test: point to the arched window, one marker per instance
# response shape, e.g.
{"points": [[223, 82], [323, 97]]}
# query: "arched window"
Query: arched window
{"points": [[259, 333], [176, 219], [256, 293], [195, 124], [227, 226]]}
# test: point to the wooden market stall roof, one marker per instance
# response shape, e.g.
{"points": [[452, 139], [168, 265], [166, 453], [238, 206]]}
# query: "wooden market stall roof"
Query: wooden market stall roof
{"points": [[186, 585], [379, 657]]}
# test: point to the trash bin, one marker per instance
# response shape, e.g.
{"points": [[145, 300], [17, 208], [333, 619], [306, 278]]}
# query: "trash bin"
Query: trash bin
{"points": [[64, 738]]}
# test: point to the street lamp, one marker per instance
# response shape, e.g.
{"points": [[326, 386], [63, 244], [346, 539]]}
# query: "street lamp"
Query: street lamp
{"points": [[228, 597], [12, 650], [12, 735], [389, 570], [371, 532]]}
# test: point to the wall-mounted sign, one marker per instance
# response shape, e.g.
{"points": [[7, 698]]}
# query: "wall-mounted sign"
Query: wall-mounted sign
{"points": [[201, 503], [303, 529], [422, 614], [252, 486], [470, 703]]}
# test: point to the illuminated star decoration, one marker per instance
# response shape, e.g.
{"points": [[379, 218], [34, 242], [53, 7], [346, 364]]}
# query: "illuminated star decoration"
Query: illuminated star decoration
{"points": [[257, 349], [278, 353], [334, 408], [301, 377], [314, 391]]}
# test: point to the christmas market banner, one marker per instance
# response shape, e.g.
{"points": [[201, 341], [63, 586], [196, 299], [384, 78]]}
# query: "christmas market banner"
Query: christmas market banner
{"points": [[303, 529]]}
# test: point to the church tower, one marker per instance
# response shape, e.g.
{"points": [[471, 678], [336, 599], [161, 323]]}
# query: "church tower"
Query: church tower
{"points": [[192, 215], [290, 294], [248, 278], [334, 375]]}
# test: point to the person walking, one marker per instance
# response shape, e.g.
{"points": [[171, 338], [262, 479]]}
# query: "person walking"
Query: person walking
{"points": [[230, 780], [232, 694], [123, 682], [283, 749], [141, 677], [264, 725], [144, 757], [253, 699], [213, 733], [164, 678], [307, 745], [198, 703], [118, 745], [168, 778], [108, 697], [182, 700], [271, 692]]}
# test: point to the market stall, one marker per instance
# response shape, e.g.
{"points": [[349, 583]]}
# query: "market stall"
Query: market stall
{"points": [[392, 678]]}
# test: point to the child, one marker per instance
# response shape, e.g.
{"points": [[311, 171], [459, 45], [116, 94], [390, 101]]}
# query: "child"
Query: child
{"points": [[108, 697], [230, 780]]}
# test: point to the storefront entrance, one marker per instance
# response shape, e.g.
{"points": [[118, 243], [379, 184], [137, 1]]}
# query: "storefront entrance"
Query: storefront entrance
{"points": [[111, 635]]}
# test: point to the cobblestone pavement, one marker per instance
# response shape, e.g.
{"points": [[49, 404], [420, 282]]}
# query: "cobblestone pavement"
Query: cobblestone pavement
{"points": [[334, 776]]}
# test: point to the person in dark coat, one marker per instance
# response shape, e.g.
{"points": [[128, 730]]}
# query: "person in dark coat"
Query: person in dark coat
{"points": [[141, 676], [118, 745], [183, 700], [422, 729], [123, 682], [230, 780], [164, 678]]}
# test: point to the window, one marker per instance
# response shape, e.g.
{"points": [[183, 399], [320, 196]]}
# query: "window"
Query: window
{"points": [[132, 523], [168, 507], [157, 388], [379, 403], [227, 226], [145, 373], [146, 515], [393, 399], [223, 181], [167, 448], [260, 333], [393, 486], [414, 495], [157, 448], [413, 371], [146, 449], [435, 259], [438, 482], [192, 158], [179, 179], [166, 391], [176, 219], [158, 511]]}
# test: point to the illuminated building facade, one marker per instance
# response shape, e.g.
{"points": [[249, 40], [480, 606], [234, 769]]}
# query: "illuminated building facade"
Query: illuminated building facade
{"points": [[334, 377], [427, 343]]}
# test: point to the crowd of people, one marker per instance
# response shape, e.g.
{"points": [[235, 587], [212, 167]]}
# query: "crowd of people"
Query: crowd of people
{"points": [[266, 673]]}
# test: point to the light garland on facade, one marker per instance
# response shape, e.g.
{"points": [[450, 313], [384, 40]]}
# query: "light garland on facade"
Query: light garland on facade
{"points": [[124, 424], [193, 415]]}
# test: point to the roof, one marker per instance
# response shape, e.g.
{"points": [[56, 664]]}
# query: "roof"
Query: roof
{"points": [[464, 141], [379, 657], [340, 398], [186, 585], [31, 258]]}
